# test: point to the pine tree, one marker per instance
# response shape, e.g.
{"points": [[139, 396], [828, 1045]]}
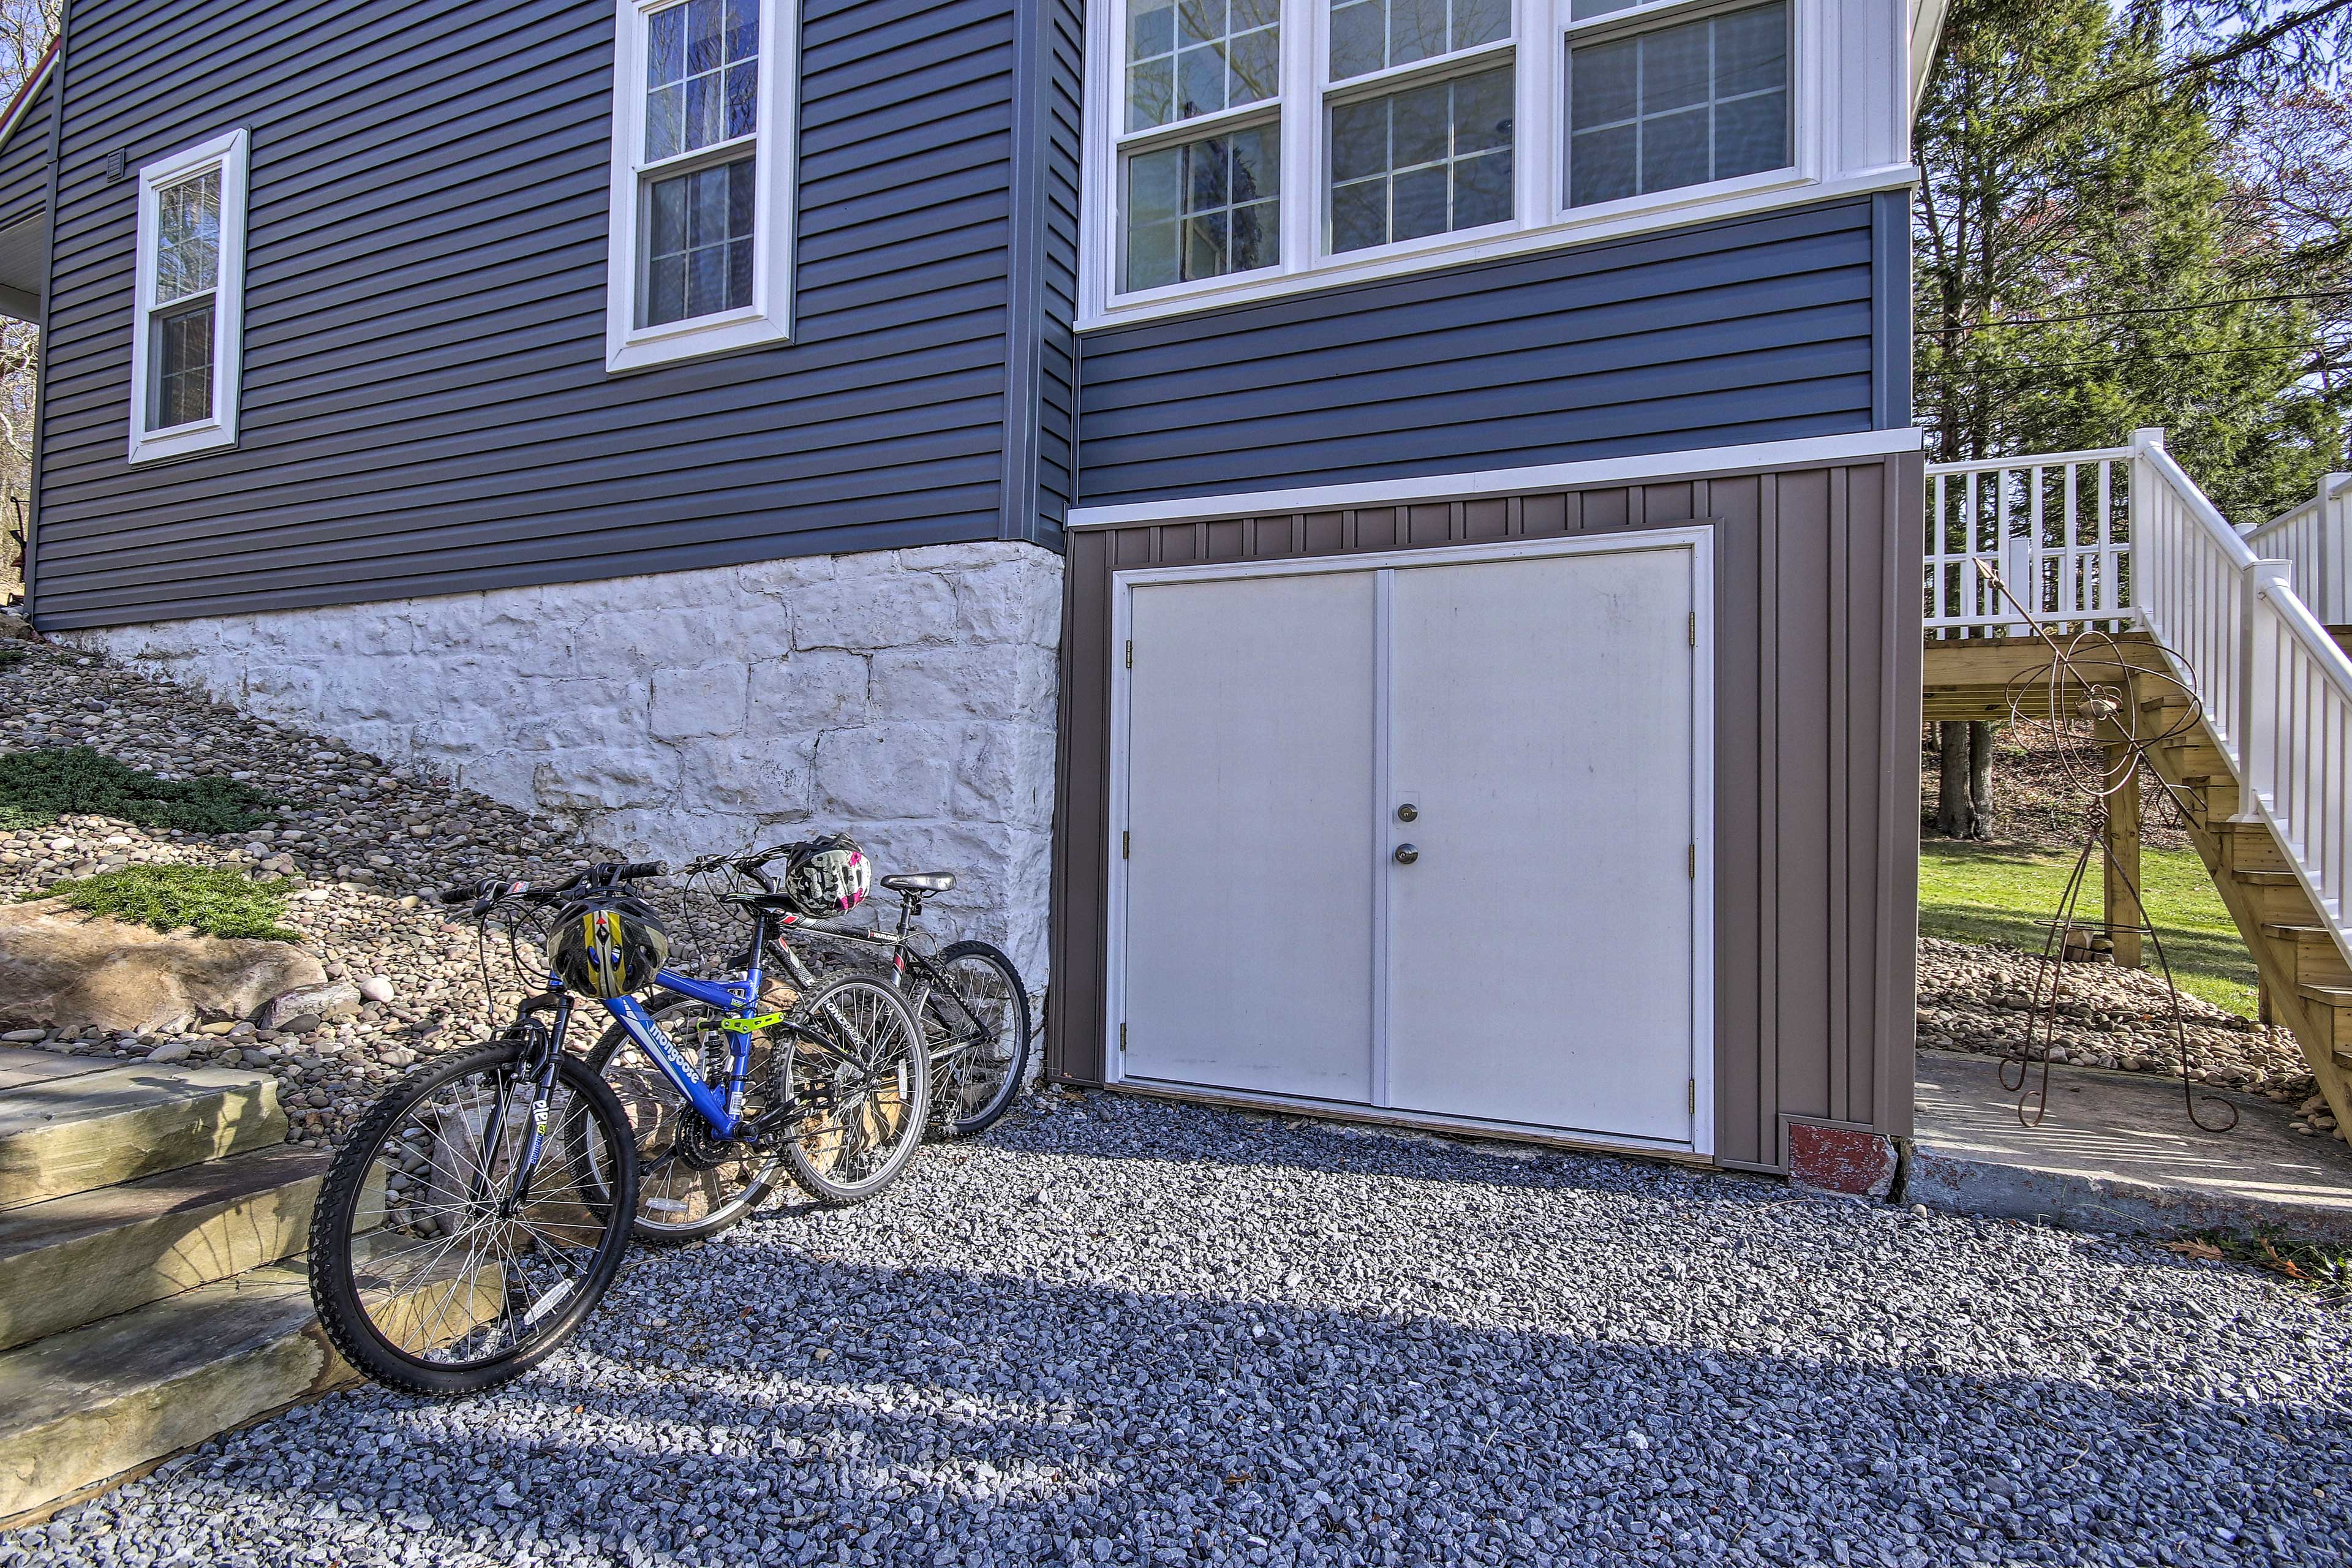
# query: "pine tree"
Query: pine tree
{"points": [[2080, 275]]}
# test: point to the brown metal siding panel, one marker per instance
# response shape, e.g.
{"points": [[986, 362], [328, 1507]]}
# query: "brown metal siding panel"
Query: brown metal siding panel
{"points": [[1743, 1116], [1074, 1017], [1896, 523], [1816, 698]]}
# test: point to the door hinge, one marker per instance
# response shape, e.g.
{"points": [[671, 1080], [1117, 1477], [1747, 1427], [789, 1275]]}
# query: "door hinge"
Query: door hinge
{"points": [[1122, 843], [1122, 1038], [1130, 653], [1690, 1087], [1690, 862], [1694, 628]]}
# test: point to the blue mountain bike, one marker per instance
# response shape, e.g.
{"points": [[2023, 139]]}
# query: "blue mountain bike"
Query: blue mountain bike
{"points": [[479, 1210]]}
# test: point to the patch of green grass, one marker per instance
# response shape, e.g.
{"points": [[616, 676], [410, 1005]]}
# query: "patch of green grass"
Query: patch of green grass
{"points": [[2007, 893], [38, 787], [213, 899], [10, 657]]}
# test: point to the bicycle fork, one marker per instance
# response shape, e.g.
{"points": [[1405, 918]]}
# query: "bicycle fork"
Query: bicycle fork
{"points": [[543, 1050]]}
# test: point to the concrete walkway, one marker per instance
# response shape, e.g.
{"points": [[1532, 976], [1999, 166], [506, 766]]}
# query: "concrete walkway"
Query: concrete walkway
{"points": [[2116, 1152]]}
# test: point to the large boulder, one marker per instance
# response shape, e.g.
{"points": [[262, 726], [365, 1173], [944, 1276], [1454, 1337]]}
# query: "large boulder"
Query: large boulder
{"points": [[58, 966]]}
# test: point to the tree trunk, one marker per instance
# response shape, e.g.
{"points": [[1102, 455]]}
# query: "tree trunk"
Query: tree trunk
{"points": [[1954, 817], [1981, 779]]}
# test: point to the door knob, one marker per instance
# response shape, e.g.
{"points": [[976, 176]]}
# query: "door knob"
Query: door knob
{"points": [[1406, 854]]}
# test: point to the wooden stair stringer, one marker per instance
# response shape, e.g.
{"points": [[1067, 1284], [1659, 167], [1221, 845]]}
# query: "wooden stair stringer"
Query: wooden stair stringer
{"points": [[2256, 904]]}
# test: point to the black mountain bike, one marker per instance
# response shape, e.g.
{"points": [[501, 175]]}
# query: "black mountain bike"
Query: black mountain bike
{"points": [[973, 1008]]}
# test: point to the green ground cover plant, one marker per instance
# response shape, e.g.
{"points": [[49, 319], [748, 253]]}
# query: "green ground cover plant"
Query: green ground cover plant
{"points": [[39, 786], [10, 657], [211, 899], [2006, 893]]}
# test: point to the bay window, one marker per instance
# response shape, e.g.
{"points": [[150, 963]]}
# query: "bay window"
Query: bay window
{"points": [[186, 343], [1244, 142], [701, 180]]}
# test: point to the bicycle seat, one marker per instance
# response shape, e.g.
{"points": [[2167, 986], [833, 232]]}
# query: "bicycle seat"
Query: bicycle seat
{"points": [[920, 882]]}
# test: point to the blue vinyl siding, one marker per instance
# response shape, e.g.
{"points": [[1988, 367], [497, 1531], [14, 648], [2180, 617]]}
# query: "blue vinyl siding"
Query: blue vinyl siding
{"points": [[24, 159], [426, 409], [1756, 329]]}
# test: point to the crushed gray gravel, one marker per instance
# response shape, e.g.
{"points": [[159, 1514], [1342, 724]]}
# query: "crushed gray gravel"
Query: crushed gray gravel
{"points": [[1115, 1331]]}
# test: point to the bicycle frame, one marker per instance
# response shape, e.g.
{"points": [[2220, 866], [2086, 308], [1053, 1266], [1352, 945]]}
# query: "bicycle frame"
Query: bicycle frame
{"points": [[723, 1112], [903, 955]]}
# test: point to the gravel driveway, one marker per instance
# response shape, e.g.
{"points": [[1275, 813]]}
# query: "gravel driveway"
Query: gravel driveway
{"points": [[1123, 1331]]}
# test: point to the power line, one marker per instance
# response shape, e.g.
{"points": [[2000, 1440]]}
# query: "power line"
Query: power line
{"points": [[2133, 310], [2173, 354]]}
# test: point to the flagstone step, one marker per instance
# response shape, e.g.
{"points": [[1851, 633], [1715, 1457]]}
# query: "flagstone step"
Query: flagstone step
{"points": [[72, 1261], [74, 1134], [20, 1066], [78, 1409]]}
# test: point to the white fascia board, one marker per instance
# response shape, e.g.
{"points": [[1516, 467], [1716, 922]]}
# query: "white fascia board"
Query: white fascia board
{"points": [[1688, 464]]}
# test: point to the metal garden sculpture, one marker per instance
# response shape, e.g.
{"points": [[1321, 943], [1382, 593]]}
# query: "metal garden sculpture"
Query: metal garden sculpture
{"points": [[2096, 698]]}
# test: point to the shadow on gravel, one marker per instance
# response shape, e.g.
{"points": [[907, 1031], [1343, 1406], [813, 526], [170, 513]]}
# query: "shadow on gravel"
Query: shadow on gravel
{"points": [[746, 1403]]}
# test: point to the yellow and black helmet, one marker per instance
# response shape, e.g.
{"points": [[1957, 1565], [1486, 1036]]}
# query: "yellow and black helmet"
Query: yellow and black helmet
{"points": [[607, 945]]}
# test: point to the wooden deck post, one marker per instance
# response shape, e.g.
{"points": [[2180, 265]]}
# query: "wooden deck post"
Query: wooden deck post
{"points": [[2123, 872]]}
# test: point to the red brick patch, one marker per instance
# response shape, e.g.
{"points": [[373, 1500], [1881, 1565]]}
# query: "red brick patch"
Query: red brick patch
{"points": [[1841, 1160]]}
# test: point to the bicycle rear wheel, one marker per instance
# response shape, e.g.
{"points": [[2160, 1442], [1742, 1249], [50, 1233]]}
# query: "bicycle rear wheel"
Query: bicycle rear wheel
{"points": [[690, 1186], [861, 1077], [432, 1271], [979, 1037]]}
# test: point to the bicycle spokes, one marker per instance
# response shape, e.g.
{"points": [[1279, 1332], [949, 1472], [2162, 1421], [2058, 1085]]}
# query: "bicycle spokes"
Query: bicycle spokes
{"points": [[462, 1254], [855, 1075]]}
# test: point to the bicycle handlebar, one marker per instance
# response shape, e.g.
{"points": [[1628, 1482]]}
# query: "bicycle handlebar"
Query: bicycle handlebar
{"points": [[498, 890]]}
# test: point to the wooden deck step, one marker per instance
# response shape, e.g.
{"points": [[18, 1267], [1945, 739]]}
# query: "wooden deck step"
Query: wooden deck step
{"points": [[75, 1259], [75, 1134], [2312, 953]]}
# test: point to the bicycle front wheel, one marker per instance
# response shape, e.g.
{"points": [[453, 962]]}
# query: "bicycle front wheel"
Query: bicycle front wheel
{"points": [[978, 1020], [437, 1264], [861, 1078], [689, 1185]]}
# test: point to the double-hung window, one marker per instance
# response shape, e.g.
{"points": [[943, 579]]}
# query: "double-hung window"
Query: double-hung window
{"points": [[186, 343], [701, 180], [1239, 144]]}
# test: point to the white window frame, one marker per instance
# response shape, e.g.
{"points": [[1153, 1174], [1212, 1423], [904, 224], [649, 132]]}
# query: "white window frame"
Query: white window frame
{"points": [[768, 318], [231, 154], [1823, 65]]}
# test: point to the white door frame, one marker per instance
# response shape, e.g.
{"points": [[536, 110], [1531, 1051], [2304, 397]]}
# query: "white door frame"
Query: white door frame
{"points": [[1698, 538]]}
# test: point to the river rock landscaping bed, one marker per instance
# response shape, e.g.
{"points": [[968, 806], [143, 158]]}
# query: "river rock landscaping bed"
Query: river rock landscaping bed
{"points": [[362, 844], [1982, 999], [1121, 1332]]}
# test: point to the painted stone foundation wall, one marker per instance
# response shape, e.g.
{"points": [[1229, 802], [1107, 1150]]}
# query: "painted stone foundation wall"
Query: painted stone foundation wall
{"points": [[906, 697]]}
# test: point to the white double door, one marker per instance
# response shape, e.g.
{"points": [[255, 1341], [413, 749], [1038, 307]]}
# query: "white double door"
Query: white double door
{"points": [[1420, 834]]}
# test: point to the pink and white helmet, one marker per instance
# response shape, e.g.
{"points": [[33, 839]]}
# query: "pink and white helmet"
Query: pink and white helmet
{"points": [[828, 876]]}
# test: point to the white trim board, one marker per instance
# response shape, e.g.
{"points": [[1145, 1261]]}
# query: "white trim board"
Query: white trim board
{"points": [[1698, 539], [1475, 486], [28, 91]]}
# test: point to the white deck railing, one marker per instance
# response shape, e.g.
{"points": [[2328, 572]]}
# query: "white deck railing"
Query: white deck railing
{"points": [[2054, 527], [2121, 537], [2312, 538]]}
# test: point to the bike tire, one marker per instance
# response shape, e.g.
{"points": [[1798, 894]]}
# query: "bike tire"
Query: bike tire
{"points": [[352, 1260], [860, 1072], [965, 1118], [723, 1193]]}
